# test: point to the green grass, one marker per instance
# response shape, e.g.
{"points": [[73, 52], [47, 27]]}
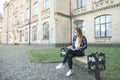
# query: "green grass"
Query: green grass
{"points": [[112, 58], [46, 55]]}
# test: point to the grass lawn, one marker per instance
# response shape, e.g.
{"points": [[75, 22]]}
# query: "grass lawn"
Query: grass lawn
{"points": [[46, 55], [112, 58]]}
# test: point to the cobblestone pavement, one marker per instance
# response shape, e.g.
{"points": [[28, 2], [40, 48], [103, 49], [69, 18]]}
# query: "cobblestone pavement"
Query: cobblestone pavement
{"points": [[15, 65]]}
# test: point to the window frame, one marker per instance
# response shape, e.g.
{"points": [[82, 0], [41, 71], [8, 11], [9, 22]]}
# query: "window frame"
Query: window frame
{"points": [[26, 34], [100, 24], [81, 4], [22, 17], [21, 35], [28, 13], [35, 8], [46, 30], [34, 33], [23, 1], [46, 4], [97, 1], [82, 22]]}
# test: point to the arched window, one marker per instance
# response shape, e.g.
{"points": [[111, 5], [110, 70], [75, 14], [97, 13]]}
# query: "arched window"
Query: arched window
{"points": [[26, 34], [34, 32], [80, 24], [103, 26], [35, 7], [97, 0], [46, 30], [27, 13]]}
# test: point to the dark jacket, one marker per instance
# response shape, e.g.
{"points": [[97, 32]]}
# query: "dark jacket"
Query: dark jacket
{"points": [[83, 43]]}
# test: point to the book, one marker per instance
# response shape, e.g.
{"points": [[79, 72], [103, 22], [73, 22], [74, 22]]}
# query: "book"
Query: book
{"points": [[72, 49]]}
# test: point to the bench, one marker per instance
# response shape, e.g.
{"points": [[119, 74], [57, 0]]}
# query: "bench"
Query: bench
{"points": [[81, 59], [93, 61]]}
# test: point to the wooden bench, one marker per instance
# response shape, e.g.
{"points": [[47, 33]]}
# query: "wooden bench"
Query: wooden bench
{"points": [[93, 61], [81, 59]]}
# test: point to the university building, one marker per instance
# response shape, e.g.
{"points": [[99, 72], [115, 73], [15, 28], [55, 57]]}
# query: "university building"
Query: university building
{"points": [[52, 22], [0, 29]]}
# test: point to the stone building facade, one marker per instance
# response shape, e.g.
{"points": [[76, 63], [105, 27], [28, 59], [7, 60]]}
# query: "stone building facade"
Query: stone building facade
{"points": [[0, 30], [42, 19], [98, 20], [52, 22]]}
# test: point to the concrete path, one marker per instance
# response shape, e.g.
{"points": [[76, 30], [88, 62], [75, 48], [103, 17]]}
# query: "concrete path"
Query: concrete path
{"points": [[15, 65]]}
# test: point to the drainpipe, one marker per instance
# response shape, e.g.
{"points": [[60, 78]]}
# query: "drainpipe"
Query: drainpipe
{"points": [[7, 21], [55, 43], [30, 24], [70, 21]]}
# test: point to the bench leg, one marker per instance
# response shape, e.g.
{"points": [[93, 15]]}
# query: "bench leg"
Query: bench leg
{"points": [[97, 72]]}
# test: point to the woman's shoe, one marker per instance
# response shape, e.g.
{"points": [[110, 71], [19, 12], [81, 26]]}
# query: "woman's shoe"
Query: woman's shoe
{"points": [[69, 73], [60, 66]]}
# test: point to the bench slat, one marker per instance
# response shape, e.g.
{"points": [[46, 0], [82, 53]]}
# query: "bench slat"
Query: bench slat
{"points": [[82, 59]]}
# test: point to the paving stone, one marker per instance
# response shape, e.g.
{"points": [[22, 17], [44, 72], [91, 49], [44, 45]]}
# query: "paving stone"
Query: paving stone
{"points": [[15, 65]]}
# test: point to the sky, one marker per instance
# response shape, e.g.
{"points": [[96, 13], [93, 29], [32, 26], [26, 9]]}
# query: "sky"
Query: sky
{"points": [[1, 4]]}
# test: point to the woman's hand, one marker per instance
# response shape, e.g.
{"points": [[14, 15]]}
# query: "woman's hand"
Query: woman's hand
{"points": [[78, 48], [69, 47]]}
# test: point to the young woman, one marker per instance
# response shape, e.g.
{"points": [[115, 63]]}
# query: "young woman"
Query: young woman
{"points": [[77, 49]]}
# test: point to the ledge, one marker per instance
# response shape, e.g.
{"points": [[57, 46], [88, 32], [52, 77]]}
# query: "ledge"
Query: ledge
{"points": [[98, 9]]}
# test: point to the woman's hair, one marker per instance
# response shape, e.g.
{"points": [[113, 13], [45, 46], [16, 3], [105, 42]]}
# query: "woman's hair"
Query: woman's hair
{"points": [[80, 34]]}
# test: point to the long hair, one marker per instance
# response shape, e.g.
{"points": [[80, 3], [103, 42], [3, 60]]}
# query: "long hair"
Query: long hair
{"points": [[80, 34]]}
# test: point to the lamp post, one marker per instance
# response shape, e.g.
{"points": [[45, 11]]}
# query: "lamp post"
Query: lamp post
{"points": [[30, 22], [7, 22]]}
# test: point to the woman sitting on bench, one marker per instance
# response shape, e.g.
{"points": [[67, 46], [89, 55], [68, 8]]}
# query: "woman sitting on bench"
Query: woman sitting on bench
{"points": [[77, 49]]}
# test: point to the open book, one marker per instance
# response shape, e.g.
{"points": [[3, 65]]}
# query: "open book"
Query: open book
{"points": [[72, 49]]}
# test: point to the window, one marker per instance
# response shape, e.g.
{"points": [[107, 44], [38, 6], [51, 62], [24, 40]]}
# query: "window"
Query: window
{"points": [[23, 1], [26, 34], [9, 37], [103, 26], [35, 8], [80, 3], [0, 37], [22, 16], [46, 30], [21, 34], [98, 0], [34, 33], [46, 4], [9, 21], [80, 24], [27, 13]]}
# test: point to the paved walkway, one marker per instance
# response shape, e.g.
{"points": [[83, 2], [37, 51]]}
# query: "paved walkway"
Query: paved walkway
{"points": [[15, 65]]}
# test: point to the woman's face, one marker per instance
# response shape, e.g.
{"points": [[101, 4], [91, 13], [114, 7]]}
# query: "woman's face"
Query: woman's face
{"points": [[76, 33]]}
